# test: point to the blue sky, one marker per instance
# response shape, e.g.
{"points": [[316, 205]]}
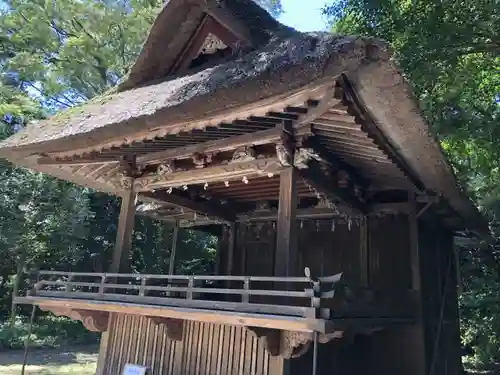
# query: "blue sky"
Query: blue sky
{"points": [[304, 15]]}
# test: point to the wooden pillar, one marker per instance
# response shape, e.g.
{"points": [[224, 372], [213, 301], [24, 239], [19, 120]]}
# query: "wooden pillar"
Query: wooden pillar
{"points": [[173, 250], [419, 365], [286, 242], [123, 243], [286, 256], [231, 243]]}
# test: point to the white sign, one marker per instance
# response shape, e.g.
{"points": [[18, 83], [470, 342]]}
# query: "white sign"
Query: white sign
{"points": [[134, 370]]}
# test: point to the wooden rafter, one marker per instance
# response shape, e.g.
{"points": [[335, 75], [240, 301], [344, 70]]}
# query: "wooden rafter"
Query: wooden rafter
{"points": [[219, 145], [376, 134], [205, 208]]}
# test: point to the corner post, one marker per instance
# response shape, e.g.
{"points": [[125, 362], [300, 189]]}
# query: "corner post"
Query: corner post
{"points": [[286, 242], [123, 244], [420, 360]]}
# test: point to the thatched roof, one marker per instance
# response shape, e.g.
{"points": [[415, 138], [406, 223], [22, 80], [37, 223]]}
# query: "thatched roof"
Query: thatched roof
{"points": [[285, 61], [279, 67]]}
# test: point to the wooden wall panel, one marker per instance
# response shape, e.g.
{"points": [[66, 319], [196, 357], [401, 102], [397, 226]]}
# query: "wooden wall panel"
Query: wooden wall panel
{"points": [[329, 249], [206, 349], [440, 306], [389, 253]]}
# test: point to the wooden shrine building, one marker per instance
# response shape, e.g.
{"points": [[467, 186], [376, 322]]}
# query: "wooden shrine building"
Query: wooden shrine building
{"points": [[306, 153]]}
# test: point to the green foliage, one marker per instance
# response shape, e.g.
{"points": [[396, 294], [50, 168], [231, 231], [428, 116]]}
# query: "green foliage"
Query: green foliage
{"points": [[450, 52], [69, 51], [54, 55], [47, 332]]}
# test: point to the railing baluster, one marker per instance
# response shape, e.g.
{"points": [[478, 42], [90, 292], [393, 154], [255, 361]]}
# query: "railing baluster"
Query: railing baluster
{"points": [[189, 293], [142, 290], [101, 287], [68, 283], [246, 287]]}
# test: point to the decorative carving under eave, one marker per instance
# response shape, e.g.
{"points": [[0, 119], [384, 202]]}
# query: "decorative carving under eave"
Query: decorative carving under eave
{"points": [[174, 327], [303, 156], [284, 154], [244, 154], [94, 321], [201, 160], [166, 168], [290, 344]]}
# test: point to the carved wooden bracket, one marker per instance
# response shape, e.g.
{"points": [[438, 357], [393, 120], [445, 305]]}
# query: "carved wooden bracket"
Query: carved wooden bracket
{"points": [[174, 327], [290, 344], [94, 321]]}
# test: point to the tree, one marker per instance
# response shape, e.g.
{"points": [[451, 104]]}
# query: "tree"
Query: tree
{"points": [[66, 52], [450, 51]]}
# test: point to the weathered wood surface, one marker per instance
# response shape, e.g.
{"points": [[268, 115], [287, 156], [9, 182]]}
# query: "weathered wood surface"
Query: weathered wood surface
{"points": [[286, 241], [206, 349], [124, 233]]}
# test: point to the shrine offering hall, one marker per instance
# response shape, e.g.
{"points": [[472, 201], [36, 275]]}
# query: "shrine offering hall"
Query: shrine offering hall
{"points": [[307, 156]]}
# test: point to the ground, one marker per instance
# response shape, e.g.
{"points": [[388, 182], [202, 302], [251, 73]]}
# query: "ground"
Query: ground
{"points": [[79, 360]]}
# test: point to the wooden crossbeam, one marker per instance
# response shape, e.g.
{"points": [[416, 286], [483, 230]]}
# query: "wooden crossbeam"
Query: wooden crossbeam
{"points": [[224, 172], [330, 188], [205, 208], [336, 163], [219, 145]]}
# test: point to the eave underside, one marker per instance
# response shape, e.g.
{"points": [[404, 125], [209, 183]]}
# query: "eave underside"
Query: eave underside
{"points": [[225, 170]]}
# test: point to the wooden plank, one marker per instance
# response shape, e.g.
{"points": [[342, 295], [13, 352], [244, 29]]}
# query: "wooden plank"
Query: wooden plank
{"points": [[185, 277], [200, 207], [264, 320], [286, 241], [218, 145], [199, 176], [123, 244], [281, 310]]}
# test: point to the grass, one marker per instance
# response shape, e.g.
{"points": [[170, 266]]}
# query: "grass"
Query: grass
{"points": [[73, 369]]}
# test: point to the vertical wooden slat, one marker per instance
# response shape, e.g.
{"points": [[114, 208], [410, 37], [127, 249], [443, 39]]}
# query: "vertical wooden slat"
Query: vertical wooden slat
{"points": [[123, 243], [286, 242]]}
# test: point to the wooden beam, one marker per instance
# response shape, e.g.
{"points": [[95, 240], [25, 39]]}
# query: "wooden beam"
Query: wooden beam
{"points": [[330, 188], [185, 313], [219, 145], [286, 242], [123, 243], [201, 207], [223, 172], [46, 160]]}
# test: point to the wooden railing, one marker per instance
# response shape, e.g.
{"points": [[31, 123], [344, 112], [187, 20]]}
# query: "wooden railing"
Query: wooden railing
{"points": [[285, 296]]}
